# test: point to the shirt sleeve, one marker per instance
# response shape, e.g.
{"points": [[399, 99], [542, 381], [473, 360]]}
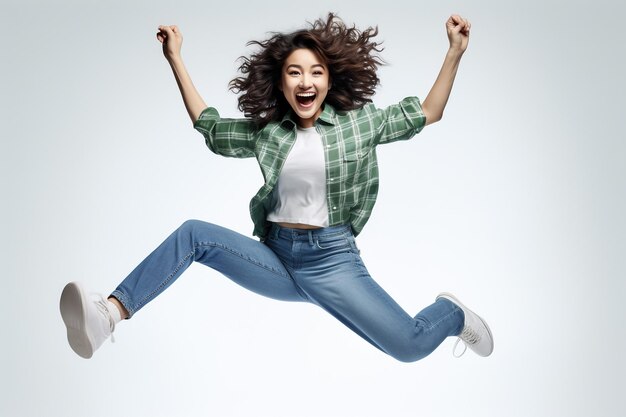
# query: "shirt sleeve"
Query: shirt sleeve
{"points": [[227, 137], [400, 121]]}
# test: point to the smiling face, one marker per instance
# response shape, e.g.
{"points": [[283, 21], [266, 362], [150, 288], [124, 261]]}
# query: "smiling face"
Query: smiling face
{"points": [[305, 83]]}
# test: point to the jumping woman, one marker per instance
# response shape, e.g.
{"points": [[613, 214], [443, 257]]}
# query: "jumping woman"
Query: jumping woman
{"points": [[310, 124]]}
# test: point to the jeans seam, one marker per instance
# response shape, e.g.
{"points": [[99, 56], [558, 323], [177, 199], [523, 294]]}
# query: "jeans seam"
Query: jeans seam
{"points": [[441, 319], [157, 290], [242, 256]]}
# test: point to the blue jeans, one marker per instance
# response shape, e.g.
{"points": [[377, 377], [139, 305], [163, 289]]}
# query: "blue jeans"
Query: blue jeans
{"points": [[320, 266]]}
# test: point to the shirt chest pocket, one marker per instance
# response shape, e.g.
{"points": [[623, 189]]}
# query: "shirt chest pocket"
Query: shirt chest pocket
{"points": [[354, 166]]}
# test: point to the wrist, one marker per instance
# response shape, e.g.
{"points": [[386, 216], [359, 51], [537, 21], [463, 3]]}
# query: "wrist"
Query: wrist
{"points": [[174, 60], [455, 52]]}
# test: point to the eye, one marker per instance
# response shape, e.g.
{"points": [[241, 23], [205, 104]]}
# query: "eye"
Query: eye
{"points": [[293, 72]]}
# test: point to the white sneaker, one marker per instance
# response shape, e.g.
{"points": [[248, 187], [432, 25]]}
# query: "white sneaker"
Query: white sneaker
{"points": [[88, 321], [475, 334]]}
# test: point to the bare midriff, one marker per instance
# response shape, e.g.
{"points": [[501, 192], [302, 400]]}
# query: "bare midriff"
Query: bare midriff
{"points": [[298, 226]]}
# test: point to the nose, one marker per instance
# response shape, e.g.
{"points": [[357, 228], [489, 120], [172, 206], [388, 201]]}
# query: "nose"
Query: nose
{"points": [[305, 81]]}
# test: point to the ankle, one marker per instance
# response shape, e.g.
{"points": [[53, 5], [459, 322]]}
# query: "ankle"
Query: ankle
{"points": [[120, 307]]}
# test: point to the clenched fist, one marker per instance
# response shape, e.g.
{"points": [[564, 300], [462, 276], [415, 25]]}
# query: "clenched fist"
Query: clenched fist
{"points": [[458, 30], [172, 39]]}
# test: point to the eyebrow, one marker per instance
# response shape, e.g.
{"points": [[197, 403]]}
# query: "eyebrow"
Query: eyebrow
{"points": [[300, 66]]}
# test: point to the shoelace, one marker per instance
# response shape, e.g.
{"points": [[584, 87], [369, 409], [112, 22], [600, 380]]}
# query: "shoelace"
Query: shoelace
{"points": [[467, 336], [103, 308]]}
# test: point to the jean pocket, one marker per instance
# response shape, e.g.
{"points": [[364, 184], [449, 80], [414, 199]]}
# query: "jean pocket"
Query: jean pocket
{"points": [[353, 246], [335, 242]]}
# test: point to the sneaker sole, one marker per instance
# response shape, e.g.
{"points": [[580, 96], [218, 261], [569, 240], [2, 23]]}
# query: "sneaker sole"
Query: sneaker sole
{"points": [[74, 316], [456, 301]]}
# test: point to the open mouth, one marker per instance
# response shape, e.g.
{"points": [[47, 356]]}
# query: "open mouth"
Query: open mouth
{"points": [[305, 99]]}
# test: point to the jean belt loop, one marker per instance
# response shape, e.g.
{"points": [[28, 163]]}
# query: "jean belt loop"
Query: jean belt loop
{"points": [[275, 231], [311, 238]]}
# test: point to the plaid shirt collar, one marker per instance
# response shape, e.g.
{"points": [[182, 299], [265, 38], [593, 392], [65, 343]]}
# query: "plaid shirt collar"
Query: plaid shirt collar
{"points": [[328, 116]]}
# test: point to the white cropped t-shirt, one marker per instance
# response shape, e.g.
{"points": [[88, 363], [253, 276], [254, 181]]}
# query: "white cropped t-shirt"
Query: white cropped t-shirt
{"points": [[300, 193]]}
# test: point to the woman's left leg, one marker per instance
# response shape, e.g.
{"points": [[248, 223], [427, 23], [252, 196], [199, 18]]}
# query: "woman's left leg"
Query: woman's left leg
{"points": [[326, 265]]}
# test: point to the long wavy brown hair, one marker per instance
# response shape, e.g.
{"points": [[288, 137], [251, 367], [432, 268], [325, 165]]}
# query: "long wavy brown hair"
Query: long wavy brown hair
{"points": [[349, 53]]}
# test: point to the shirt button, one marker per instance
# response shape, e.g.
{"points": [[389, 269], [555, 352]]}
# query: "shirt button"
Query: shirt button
{"points": [[334, 207], [332, 179], [328, 146]]}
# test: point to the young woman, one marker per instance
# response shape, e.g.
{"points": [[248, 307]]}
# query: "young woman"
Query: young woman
{"points": [[311, 126]]}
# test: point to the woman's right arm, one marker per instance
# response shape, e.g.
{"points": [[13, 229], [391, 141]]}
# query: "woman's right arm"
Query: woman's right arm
{"points": [[172, 39]]}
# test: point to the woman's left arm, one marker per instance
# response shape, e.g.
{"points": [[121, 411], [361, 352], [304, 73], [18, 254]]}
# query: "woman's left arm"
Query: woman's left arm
{"points": [[458, 34]]}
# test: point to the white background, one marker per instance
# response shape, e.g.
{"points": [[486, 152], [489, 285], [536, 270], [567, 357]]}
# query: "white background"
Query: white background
{"points": [[514, 201]]}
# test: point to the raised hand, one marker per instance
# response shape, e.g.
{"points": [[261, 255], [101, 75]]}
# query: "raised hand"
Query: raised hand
{"points": [[458, 30], [172, 40]]}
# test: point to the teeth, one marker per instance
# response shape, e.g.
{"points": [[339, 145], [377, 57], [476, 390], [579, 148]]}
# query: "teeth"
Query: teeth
{"points": [[305, 94]]}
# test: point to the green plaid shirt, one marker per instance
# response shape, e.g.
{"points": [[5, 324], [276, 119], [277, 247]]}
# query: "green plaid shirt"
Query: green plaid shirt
{"points": [[350, 139]]}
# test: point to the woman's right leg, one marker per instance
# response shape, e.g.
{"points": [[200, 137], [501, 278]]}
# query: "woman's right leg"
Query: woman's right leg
{"points": [[246, 261]]}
